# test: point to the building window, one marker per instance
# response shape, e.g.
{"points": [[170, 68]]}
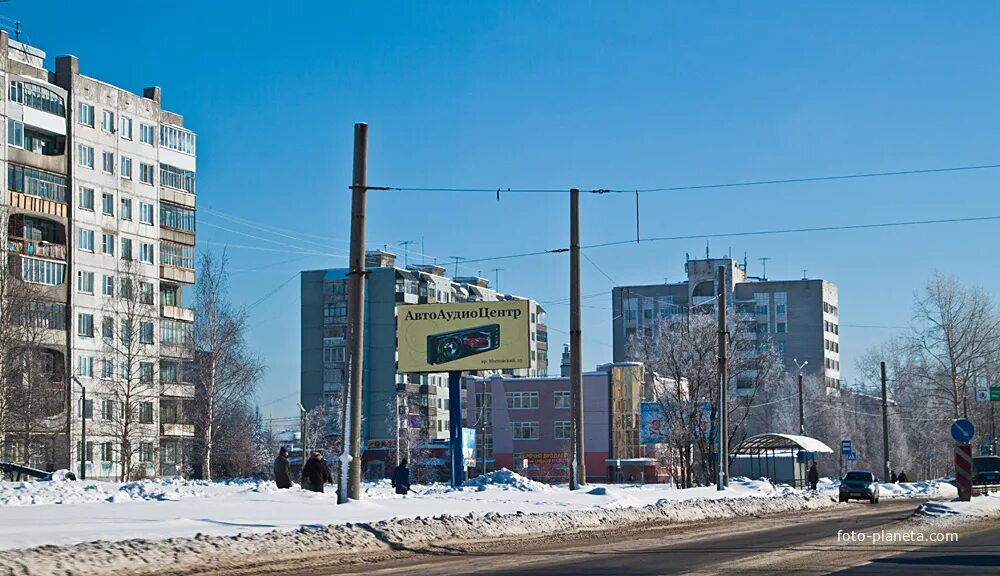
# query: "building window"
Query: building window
{"points": [[563, 430], [524, 430], [107, 452], [36, 183], [126, 170], [173, 177], [146, 252], [145, 134], [85, 156], [15, 133], [780, 328], [108, 162], [761, 310], [108, 328], [108, 204], [146, 375], [86, 411], [42, 271], [37, 97], [779, 308], [145, 213], [108, 121], [126, 210], [146, 452], [781, 346], [126, 127], [762, 327], [108, 244], [333, 354], [522, 400], [86, 238], [146, 295], [86, 198], [85, 282], [562, 398], [146, 335], [181, 218], [174, 332], [126, 248], [177, 139], [85, 114], [107, 368], [172, 254], [85, 366], [146, 173], [107, 409], [168, 372]]}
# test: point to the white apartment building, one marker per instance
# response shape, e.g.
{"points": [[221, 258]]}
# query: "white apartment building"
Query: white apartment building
{"points": [[100, 185]]}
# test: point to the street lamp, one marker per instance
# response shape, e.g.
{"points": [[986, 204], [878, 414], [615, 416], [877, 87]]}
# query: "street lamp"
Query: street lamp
{"points": [[303, 425], [802, 411], [83, 429]]}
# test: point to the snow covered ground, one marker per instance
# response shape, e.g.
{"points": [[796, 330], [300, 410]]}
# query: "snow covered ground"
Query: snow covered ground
{"points": [[987, 506], [70, 512]]}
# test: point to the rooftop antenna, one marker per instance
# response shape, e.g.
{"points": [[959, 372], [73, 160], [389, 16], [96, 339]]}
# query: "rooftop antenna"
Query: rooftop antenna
{"points": [[496, 272], [744, 261], [17, 29], [707, 257], [804, 277], [404, 244], [457, 259], [763, 263]]}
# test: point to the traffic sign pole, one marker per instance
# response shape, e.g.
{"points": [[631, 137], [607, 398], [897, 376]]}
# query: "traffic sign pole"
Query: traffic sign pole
{"points": [[963, 471]]}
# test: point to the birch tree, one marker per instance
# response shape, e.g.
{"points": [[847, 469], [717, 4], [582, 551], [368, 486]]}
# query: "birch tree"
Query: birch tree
{"points": [[227, 372]]}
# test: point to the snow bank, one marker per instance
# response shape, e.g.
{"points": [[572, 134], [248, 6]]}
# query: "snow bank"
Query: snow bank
{"points": [[507, 480], [924, 489], [83, 491], [987, 506], [378, 537]]}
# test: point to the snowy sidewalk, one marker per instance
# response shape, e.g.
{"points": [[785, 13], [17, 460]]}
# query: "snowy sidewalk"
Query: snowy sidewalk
{"points": [[71, 512]]}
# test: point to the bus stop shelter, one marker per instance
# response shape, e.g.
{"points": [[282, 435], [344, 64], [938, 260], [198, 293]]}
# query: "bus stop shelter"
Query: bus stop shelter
{"points": [[781, 458]]}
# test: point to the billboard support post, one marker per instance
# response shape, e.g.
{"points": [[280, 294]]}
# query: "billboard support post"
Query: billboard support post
{"points": [[455, 428]]}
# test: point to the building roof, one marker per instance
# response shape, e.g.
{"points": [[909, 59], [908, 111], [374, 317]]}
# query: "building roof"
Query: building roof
{"points": [[773, 441]]}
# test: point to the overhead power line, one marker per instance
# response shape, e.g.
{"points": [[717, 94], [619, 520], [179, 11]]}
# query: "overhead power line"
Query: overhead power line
{"points": [[775, 181], [771, 232]]}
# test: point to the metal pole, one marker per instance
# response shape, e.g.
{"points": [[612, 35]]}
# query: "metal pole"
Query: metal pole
{"points": [[885, 426], [356, 318], [578, 465], [455, 428], [802, 410], [723, 381], [83, 430]]}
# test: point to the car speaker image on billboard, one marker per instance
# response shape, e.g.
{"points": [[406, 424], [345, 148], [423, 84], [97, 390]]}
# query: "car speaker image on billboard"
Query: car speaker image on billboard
{"points": [[463, 336]]}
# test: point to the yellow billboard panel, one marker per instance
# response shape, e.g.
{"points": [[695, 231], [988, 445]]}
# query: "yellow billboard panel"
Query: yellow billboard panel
{"points": [[463, 336]]}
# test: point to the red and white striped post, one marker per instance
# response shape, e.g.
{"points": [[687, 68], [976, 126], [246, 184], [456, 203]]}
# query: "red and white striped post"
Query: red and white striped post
{"points": [[963, 471]]}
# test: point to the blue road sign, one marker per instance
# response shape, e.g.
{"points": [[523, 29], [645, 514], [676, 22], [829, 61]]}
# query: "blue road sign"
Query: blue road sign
{"points": [[845, 447], [962, 431], [852, 456]]}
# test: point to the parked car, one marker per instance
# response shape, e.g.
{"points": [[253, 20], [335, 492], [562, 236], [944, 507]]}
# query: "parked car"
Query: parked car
{"points": [[859, 485], [986, 470]]}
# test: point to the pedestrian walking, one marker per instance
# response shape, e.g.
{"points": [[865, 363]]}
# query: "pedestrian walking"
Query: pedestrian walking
{"points": [[315, 473], [892, 477], [813, 476], [281, 476], [902, 476], [401, 478]]}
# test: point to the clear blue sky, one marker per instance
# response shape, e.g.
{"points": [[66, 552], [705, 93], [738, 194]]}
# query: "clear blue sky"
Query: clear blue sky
{"points": [[555, 95]]}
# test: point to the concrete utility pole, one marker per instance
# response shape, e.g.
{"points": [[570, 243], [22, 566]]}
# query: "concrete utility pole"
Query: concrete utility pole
{"points": [[885, 426], [723, 388], [351, 457], [83, 429], [802, 397], [578, 468]]}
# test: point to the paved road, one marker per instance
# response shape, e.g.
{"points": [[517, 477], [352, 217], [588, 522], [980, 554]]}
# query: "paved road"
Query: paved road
{"points": [[805, 543]]}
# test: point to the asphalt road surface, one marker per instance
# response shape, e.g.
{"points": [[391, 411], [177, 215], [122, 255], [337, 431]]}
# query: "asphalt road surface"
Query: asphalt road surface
{"points": [[791, 543]]}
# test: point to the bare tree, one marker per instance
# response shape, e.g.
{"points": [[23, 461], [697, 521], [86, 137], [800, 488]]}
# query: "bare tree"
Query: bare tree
{"points": [[685, 355], [130, 366], [954, 336], [227, 372]]}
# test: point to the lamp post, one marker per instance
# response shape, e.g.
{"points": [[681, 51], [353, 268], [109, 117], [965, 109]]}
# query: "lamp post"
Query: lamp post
{"points": [[802, 411], [303, 430], [83, 429]]}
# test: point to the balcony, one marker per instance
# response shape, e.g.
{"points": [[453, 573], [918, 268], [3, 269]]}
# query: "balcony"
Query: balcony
{"points": [[177, 313], [178, 430], [29, 203], [177, 389], [37, 248], [175, 274]]}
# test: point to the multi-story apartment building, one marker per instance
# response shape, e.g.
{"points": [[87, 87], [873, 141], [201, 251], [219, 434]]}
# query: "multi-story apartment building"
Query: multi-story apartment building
{"points": [[388, 395], [799, 317], [100, 199]]}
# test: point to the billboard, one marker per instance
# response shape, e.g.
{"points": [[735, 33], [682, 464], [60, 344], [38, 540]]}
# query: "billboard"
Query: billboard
{"points": [[469, 447], [653, 427], [463, 336]]}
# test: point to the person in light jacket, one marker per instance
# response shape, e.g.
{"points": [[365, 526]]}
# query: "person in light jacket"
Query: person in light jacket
{"points": [[281, 477]]}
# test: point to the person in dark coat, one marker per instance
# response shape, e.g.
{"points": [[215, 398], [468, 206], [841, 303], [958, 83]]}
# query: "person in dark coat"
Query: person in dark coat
{"points": [[401, 478], [892, 477], [813, 476], [902, 476], [315, 473], [281, 477]]}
